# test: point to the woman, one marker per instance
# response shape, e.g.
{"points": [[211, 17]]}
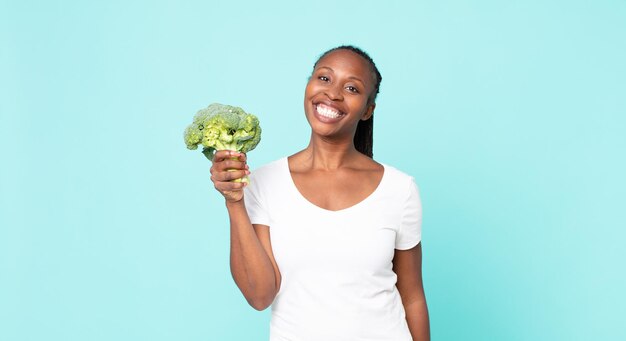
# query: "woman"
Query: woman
{"points": [[329, 237]]}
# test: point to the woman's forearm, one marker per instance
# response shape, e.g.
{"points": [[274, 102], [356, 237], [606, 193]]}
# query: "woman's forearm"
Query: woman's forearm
{"points": [[418, 321], [249, 263]]}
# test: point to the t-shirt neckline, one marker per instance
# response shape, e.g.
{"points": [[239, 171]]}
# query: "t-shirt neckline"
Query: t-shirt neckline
{"points": [[349, 208]]}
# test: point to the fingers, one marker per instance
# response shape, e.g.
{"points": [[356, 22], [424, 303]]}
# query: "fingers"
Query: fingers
{"points": [[222, 155], [229, 186], [240, 156], [225, 160], [228, 166], [231, 164], [229, 175]]}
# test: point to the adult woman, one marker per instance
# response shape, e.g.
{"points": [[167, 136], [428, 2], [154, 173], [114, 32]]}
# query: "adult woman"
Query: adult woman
{"points": [[327, 236]]}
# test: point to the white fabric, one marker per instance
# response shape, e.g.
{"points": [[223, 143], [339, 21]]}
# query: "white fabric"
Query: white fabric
{"points": [[336, 266]]}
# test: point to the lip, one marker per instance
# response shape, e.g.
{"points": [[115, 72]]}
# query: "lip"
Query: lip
{"points": [[325, 119]]}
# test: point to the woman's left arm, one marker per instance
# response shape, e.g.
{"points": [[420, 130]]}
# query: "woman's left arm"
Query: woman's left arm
{"points": [[407, 264]]}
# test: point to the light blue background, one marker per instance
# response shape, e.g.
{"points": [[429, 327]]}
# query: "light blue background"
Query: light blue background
{"points": [[510, 115]]}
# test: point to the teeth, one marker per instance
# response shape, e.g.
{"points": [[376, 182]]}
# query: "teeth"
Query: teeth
{"points": [[327, 112]]}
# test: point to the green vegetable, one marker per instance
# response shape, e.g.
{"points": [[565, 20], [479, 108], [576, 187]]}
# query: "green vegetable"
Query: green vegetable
{"points": [[223, 127]]}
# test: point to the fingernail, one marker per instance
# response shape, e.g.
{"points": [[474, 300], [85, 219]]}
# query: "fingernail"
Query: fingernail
{"points": [[247, 172]]}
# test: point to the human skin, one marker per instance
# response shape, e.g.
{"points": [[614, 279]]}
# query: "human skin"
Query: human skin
{"points": [[330, 173], [252, 262]]}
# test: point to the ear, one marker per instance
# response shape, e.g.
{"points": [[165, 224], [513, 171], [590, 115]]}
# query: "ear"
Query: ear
{"points": [[368, 112]]}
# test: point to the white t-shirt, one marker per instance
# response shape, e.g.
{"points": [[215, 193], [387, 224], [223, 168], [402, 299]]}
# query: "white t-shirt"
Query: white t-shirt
{"points": [[336, 266]]}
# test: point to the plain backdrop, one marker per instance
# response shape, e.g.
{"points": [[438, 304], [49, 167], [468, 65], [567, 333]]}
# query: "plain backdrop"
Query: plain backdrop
{"points": [[509, 114]]}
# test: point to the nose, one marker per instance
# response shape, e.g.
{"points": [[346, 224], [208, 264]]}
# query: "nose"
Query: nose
{"points": [[334, 92]]}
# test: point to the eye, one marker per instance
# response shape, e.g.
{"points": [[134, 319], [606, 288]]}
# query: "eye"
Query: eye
{"points": [[352, 89], [323, 78]]}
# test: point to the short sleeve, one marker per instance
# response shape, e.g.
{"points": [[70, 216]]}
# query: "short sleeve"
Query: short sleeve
{"points": [[410, 227], [255, 204]]}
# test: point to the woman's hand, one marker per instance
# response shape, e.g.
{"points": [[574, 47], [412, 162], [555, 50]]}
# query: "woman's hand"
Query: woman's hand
{"points": [[227, 166]]}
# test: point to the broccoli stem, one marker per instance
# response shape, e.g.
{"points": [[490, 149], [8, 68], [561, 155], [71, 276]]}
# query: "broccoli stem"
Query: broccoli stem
{"points": [[244, 179], [209, 153]]}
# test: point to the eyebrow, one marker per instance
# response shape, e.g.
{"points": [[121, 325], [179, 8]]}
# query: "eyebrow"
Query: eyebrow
{"points": [[351, 77]]}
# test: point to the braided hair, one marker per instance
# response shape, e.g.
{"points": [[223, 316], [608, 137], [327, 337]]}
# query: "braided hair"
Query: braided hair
{"points": [[363, 138]]}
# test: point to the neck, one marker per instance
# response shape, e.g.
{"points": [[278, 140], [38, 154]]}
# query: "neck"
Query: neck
{"points": [[328, 154]]}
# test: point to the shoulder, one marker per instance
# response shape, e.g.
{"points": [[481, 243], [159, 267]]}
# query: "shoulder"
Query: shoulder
{"points": [[399, 186], [269, 168], [267, 183], [268, 173], [397, 177]]}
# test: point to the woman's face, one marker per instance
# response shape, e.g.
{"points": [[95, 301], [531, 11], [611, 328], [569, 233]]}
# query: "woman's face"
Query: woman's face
{"points": [[336, 96]]}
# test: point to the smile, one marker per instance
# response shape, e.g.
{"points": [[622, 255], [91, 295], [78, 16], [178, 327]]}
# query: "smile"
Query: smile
{"points": [[327, 111]]}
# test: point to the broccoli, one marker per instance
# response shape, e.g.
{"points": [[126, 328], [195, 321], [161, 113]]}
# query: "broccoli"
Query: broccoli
{"points": [[223, 127]]}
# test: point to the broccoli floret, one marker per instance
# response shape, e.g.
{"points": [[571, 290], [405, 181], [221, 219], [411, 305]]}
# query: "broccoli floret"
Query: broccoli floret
{"points": [[223, 127], [193, 136]]}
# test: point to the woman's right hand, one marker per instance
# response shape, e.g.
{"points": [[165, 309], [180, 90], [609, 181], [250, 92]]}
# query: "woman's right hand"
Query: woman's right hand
{"points": [[229, 165]]}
